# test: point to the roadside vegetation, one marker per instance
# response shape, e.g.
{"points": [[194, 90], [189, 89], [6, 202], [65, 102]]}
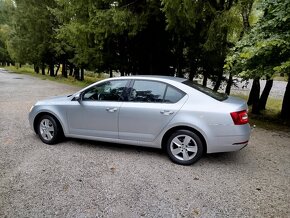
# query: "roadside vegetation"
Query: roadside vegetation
{"points": [[269, 119], [89, 77], [80, 41]]}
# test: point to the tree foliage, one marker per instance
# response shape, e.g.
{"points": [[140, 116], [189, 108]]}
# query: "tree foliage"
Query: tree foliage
{"points": [[5, 14], [266, 48], [213, 38]]}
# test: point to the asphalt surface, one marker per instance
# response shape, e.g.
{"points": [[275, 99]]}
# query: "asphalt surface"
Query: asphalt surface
{"points": [[78, 178]]}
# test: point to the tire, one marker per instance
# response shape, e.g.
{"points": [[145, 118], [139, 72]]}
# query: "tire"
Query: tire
{"points": [[49, 129], [184, 147]]}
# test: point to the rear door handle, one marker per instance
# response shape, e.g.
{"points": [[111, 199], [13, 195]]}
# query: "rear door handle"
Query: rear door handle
{"points": [[112, 110], [165, 112]]}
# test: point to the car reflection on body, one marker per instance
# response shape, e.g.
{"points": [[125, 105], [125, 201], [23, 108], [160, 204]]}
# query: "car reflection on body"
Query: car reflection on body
{"points": [[178, 115]]}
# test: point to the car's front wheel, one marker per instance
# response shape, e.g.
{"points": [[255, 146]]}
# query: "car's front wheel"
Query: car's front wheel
{"points": [[49, 130], [184, 147]]}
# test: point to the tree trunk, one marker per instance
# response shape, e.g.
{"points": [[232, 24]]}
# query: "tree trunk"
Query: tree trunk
{"points": [[285, 112], [43, 69], [204, 81], [57, 69], [246, 23], [82, 74], [63, 70], [77, 73], [179, 53], [191, 75], [218, 82], [111, 73], [255, 96], [265, 94], [20, 65], [246, 10], [51, 69], [71, 69], [192, 70], [254, 89], [229, 85], [36, 69]]}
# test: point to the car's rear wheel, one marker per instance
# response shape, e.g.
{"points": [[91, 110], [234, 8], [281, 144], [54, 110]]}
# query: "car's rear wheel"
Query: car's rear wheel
{"points": [[184, 147], [48, 129]]}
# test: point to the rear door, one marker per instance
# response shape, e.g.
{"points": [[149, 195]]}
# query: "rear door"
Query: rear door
{"points": [[150, 106]]}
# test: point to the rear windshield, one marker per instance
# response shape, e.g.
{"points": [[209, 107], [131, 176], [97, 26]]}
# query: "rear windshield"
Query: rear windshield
{"points": [[216, 95]]}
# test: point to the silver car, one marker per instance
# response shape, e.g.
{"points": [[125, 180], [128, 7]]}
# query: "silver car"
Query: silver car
{"points": [[178, 115]]}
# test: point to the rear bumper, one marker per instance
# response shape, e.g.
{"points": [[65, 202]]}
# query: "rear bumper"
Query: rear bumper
{"points": [[234, 142], [228, 144]]}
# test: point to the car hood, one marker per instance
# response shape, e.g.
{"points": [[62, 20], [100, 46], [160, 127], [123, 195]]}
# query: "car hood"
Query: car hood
{"points": [[54, 100]]}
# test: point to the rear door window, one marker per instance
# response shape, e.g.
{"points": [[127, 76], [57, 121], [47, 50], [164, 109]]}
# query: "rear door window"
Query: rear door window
{"points": [[147, 91], [154, 91]]}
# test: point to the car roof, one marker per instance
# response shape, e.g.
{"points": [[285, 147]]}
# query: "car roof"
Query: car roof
{"points": [[157, 77]]}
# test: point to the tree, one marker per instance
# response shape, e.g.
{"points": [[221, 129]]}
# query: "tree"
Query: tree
{"points": [[245, 7], [5, 15], [32, 36], [202, 32], [266, 48]]}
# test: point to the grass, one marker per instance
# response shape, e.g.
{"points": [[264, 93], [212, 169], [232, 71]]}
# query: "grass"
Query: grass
{"points": [[268, 119], [89, 77], [279, 77]]}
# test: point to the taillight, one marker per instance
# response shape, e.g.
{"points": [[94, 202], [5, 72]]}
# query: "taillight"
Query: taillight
{"points": [[240, 117]]}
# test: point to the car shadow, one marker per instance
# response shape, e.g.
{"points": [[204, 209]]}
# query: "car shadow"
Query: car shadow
{"points": [[215, 158], [114, 146], [224, 158]]}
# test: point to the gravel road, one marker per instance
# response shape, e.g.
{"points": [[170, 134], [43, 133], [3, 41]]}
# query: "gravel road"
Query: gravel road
{"points": [[277, 91], [78, 178]]}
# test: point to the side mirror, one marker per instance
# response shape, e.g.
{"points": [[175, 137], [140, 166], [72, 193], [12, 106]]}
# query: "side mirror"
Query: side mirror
{"points": [[78, 97]]}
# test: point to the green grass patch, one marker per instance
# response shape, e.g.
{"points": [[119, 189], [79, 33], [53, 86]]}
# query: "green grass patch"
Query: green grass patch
{"points": [[280, 77], [270, 118]]}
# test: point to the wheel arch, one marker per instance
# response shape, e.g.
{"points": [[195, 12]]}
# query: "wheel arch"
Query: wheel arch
{"points": [[173, 129], [38, 116]]}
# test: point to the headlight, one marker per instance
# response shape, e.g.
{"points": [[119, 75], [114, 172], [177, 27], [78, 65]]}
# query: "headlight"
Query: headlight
{"points": [[31, 108]]}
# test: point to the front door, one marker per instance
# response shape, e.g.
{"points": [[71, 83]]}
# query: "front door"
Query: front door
{"points": [[97, 113]]}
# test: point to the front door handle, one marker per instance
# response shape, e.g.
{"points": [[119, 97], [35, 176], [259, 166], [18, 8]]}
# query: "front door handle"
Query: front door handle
{"points": [[112, 110], [165, 112]]}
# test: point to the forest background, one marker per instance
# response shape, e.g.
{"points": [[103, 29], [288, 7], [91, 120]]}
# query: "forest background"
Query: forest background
{"points": [[219, 41]]}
